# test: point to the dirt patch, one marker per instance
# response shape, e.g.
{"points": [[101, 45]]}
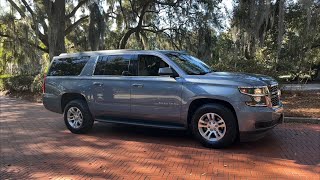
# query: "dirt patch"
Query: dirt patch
{"points": [[301, 103]]}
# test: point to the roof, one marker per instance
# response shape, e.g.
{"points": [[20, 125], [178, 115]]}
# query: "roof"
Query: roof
{"points": [[118, 51]]}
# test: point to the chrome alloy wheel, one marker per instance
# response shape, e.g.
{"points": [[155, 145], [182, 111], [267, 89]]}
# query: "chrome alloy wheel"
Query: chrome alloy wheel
{"points": [[212, 127], [74, 117]]}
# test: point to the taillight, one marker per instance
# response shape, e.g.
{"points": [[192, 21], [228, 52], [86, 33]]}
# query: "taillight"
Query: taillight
{"points": [[44, 84]]}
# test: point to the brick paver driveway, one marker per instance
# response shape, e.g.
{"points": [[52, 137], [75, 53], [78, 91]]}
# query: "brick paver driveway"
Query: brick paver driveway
{"points": [[36, 144]]}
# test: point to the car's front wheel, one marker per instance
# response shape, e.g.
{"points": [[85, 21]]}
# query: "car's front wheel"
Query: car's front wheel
{"points": [[77, 117], [214, 125]]}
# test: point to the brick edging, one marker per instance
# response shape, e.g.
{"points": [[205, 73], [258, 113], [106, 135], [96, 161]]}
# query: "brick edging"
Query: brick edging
{"points": [[301, 120]]}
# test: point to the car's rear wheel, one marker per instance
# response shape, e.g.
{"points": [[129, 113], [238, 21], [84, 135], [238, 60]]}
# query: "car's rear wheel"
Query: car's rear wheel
{"points": [[214, 125], [77, 117]]}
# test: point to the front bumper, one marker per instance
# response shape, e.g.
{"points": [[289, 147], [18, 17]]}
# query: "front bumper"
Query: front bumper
{"points": [[254, 122]]}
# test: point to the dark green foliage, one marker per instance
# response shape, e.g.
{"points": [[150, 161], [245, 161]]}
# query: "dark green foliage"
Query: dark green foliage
{"points": [[280, 37], [21, 83]]}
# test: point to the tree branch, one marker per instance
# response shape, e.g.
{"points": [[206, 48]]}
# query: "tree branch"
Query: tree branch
{"points": [[75, 24], [16, 7], [35, 19], [73, 12], [25, 41], [168, 3], [156, 31], [133, 9], [142, 13], [42, 37], [124, 14], [28, 8]]}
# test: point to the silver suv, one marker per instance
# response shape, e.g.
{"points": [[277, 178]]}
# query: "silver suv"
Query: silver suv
{"points": [[163, 89]]}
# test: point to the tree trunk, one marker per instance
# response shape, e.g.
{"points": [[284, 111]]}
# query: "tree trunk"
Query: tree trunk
{"points": [[56, 18], [280, 31]]}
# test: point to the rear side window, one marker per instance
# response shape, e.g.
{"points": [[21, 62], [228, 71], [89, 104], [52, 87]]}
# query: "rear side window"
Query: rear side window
{"points": [[121, 65], [68, 66]]}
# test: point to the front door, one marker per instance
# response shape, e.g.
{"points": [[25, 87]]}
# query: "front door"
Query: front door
{"points": [[111, 86], [155, 97]]}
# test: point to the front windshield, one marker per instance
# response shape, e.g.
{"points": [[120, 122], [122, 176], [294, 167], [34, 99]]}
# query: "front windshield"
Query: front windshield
{"points": [[190, 64]]}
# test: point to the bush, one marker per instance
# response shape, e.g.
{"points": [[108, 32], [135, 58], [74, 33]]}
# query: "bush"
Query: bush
{"points": [[3, 81], [36, 85], [20, 83]]}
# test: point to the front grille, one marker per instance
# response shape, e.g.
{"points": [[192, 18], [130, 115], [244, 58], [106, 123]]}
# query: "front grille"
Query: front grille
{"points": [[273, 89], [275, 101]]}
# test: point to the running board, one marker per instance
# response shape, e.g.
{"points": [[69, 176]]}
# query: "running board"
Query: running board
{"points": [[143, 123]]}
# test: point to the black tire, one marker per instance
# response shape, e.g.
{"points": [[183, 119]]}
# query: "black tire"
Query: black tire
{"points": [[227, 115], [87, 122]]}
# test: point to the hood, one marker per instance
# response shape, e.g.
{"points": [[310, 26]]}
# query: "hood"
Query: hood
{"points": [[241, 79]]}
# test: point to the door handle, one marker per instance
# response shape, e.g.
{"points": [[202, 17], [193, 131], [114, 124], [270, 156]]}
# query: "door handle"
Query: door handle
{"points": [[137, 85], [97, 83]]}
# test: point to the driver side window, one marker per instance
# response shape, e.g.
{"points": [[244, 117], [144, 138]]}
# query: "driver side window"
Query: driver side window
{"points": [[149, 65]]}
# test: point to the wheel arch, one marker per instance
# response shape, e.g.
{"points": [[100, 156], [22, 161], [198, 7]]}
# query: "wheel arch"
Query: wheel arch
{"points": [[67, 97]]}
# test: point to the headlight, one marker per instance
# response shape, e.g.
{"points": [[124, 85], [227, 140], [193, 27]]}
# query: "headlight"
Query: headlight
{"points": [[259, 95]]}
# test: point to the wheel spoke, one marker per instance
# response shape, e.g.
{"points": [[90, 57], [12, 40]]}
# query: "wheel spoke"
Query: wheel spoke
{"points": [[72, 111], [220, 121], [219, 133], [77, 124], [202, 123], [215, 134], [222, 125], [78, 112], [205, 133], [210, 134], [210, 116]]}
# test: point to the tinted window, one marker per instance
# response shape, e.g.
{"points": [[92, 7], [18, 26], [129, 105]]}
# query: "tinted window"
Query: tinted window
{"points": [[68, 66], [190, 64], [149, 65], [116, 65]]}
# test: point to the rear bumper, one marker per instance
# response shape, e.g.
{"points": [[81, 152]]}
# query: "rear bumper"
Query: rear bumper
{"points": [[52, 103], [254, 122]]}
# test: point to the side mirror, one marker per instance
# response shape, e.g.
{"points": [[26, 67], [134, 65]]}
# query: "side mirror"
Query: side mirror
{"points": [[166, 71]]}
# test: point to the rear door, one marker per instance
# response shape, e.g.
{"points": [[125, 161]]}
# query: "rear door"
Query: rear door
{"points": [[155, 97], [111, 86]]}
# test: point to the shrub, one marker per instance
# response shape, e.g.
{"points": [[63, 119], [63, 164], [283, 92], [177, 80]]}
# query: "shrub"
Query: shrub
{"points": [[3, 81], [19, 83], [36, 86]]}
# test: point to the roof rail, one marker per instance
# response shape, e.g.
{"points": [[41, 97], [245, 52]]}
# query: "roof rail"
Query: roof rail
{"points": [[111, 51], [62, 54]]}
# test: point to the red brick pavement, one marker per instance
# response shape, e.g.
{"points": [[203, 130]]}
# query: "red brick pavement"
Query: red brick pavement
{"points": [[36, 145]]}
